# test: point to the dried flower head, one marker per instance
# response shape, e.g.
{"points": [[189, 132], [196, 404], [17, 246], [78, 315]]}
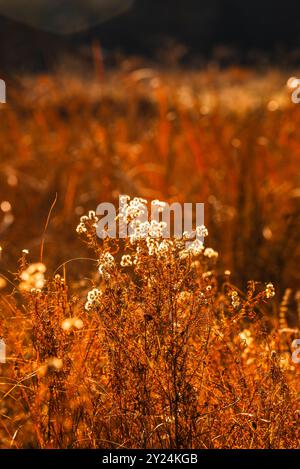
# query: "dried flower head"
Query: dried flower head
{"points": [[93, 299], [126, 260], [270, 290]]}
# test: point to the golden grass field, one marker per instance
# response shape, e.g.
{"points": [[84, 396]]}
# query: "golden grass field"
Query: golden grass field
{"points": [[165, 349]]}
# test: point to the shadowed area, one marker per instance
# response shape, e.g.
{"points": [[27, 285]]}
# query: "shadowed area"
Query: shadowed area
{"points": [[62, 16]]}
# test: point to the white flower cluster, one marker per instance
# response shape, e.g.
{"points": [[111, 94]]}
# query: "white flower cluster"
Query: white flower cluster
{"points": [[144, 230], [93, 299], [126, 260], [201, 231], [210, 253], [91, 217], [235, 301], [132, 209], [107, 264], [159, 248], [158, 204], [152, 245], [165, 247], [270, 290], [195, 248]]}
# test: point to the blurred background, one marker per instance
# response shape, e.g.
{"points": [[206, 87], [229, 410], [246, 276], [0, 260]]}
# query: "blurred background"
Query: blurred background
{"points": [[180, 100], [35, 34]]}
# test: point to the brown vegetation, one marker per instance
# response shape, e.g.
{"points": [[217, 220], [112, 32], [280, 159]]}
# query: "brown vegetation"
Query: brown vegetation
{"points": [[163, 349]]}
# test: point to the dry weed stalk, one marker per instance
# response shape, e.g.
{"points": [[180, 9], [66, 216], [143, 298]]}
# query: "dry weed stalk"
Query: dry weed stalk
{"points": [[159, 354]]}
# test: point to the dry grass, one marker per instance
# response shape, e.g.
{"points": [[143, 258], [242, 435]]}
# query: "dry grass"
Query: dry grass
{"points": [[169, 352]]}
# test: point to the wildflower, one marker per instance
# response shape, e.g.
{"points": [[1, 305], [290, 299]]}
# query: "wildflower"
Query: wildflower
{"points": [[210, 253], [137, 255], [107, 264], [235, 301], [132, 209], [270, 290], [59, 279], [142, 230], [35, 291], [81, 228], [93, 299], [201, 231], [187, 235], [152, 245], [180, 243], [156, 228], [138, 230], [126, 260], [92, 215], [164, 247], [85, 219], [159, 204], [124, 199], [195, 248]]}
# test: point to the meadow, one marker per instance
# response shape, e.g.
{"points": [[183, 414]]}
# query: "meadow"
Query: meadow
{"points": [[142, 343]]}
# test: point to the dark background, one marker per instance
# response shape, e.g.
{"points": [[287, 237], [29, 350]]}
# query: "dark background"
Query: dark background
{"points": [[231, 30]]}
